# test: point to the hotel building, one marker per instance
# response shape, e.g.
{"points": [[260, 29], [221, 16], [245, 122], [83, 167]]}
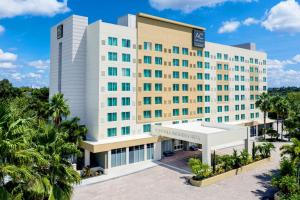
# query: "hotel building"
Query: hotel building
{"points": [[134, 82]]}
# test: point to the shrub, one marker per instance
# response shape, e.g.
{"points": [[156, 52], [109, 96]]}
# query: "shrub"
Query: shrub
{"points": [[225, 162], [200, 170], [286, 184], [245, 157], [265, 149]]}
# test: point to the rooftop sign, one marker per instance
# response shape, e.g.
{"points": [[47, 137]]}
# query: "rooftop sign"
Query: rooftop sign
{"points": [[198, 38]]}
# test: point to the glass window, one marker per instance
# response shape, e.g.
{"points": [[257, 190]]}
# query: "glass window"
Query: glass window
{"points": [[199, 53], [111, 117], [207, 87], [206, 54], [175, 99], [147, 46], [199, 110], [150, 151], [158, 60], [226, 108], [185, 111], [158, 100], [147, 100], [207, 76], [219, 108], [136, 154], [199, 64], [207, 98], [158, 87], [185, 99], [126, 43], [185, 63], [112, 41], [125, 130], [175, 50], [185, 51], [185, 75], [175, 74], [146, 128], [125, 101], [147, 60], [199, 99], [199, 76], [111, 132], [158, 74], [147, 73], [158, 47], [112, 101], [175, 87], [185, 87], [207, 109], [112, 56], [125, 57], [125, 86], [158, 113], [207, 65], [118, 157], [147, 114], [112, 71], [219, 119], [126, 72], [112, 86], [175, 62], [199, 87], [176, 112], [219, 77], [125, 115]]}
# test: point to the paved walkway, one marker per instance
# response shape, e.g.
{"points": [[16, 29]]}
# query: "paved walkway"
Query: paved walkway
{"points": [[163, 183]]}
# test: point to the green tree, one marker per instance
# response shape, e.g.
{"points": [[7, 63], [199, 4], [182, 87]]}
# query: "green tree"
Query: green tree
{"points": [[58, 108], [264, 104], [7, 90], [293, 150]]}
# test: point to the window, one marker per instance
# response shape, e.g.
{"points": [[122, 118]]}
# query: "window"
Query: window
{"points": [[226, 98], [236, 78], [112, 71], [175, 74], [185, 63], [158, 47], [199, 64], [158, 113], [236, 68], [125, 57], [147, 73], [158, 87], [111, 132], [136, 154], [185, 87], [147, 100], [219, 66], [242, 59], [147, 46], [219, 108], [125, 101], [112, 56], [126, 72], [185, 75], [112, 86], [147, 86], [125, 115], [150, 151], [112, 41], [175, 50], [158, 74], [226, 67], [199, 99], [199, 76], [237, 117], [125, 86], [226, 87], [147, 114], [199, 110], [236, 58], [185, 51], [125, 130], [219, 56], [220, 98], [158, 60], [175, 62], [242, 68], [207, 76], [158, 100], [175, 99], [219, 119], [207, 119], [207, 87], [226, 78], [206, 65], [236, 87], [118, 157], [237, 107], [207, 109], [219, 87], [199, 87], [185, 99], [185, 111], [147, 60], [225, 56], [175, 112], [236, 97], [219, 77], [111, 117], [199, 53], [207, 98], [226, 108], [126, 43], [226, 118], [243, 107], [112, 101], [175, 87], [206, 54], [146, 128]]}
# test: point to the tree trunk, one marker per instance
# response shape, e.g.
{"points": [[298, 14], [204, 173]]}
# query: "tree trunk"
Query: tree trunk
{"points": [[277, 123], [282, 121], [265, 125]]}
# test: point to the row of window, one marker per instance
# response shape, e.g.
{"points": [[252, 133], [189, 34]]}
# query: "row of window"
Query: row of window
{"points": [[113, 71], [113, 101], [113, 86], [112, 117], [113, 41], [111, 132], [113, 56]]}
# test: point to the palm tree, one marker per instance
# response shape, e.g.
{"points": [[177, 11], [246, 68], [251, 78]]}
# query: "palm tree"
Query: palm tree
{"points": [[292, 150], [275, 107], [58, 108], [264, 104]]}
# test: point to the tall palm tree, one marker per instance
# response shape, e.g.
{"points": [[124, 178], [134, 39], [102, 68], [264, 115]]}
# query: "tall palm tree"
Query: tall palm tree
{"points": [[58, 108], [264, 104], [275, 107]]}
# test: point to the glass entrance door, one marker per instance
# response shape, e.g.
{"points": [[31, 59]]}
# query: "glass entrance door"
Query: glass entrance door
{"points": [[178, 145]]}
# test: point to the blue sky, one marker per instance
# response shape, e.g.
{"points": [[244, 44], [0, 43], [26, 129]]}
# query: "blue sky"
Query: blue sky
{"points": [[273, 25]]}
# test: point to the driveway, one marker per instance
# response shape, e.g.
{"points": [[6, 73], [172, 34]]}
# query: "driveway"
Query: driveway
{"points": [[163, 183]]}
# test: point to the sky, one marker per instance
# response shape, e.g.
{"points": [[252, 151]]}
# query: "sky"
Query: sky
{"points": [[273, 25]]}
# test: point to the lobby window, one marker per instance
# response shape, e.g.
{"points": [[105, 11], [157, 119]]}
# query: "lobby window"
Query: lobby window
{"points": [[112, 101], [206, 54], [158, 74], [126, 72], [175, 99], [219, 66], [199, 99], [185, 87], [207, 109], [147, 60], [147, 114], [175, 74], [136, 154], [147, 100], [158, 87], [112, 56], [225, 56], [175, 87], [147, 73], [199, 76], [125, 130], [207, 87], [150, 151], [199, 64], [219, 108], [199, 110], [112, 86], [185, 99], [176, 62], [226, 98], [147, 128], [158, 60], [226, 118], [199, 87], [226, 108], [126, 43], [147, 46], [158, 113], [112, 71], [158, 100], [176, 112], [175, 49], [185, 63], [158, 47], [219, 77], [220, 98], [207, 98], [126, 57], [185, 51], [125, 115], [219, 119], [185, 111], [207, 65], [199, 53], [112, 41], [219, 56], [112, 117], [147, 86], [219, 87], [125, 86], [185, 75], [207, 76], [111, 132], [125, 101]]}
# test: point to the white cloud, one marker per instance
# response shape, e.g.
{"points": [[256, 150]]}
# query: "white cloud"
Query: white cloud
{"points": [[16, 76], [250, 21], [7, 65], [32, 75], [229, 26], [7, 56], [2, 29], [39, 64], [187, 6], [283, 17], [297, 58], [12, 8]]}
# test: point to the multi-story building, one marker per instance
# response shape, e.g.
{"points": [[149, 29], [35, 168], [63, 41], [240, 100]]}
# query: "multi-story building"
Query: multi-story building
{"points": [[123, 78]]}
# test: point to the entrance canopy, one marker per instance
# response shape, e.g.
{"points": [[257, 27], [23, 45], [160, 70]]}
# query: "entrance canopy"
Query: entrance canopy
{"points": [[212, 135]]}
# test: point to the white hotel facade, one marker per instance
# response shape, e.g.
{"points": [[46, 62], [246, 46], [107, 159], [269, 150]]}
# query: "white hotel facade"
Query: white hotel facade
{"points": [[143, 86]]}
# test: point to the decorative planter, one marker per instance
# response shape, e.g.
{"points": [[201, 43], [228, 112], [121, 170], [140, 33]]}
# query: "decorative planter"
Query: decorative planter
{"points": [[234, 172]]}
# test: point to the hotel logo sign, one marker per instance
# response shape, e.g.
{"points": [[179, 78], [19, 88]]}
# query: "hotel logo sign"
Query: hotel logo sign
{"points": [[198, 38], [60, 31]]}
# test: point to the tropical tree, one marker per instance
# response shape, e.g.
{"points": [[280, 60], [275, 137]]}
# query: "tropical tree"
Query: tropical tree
{"points": [[292, 150], [264, 104], [58, 108]]}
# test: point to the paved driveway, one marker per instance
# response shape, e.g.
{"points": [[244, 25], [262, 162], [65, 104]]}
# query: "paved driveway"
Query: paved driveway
{"points": [[163, 183]]}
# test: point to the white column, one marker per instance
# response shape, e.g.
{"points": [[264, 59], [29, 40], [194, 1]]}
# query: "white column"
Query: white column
{"points": [[145, 152], [247, 140], [127, 155], [157, 151], [256, 130], [206, 154], [108, 159], [87, 159]]}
